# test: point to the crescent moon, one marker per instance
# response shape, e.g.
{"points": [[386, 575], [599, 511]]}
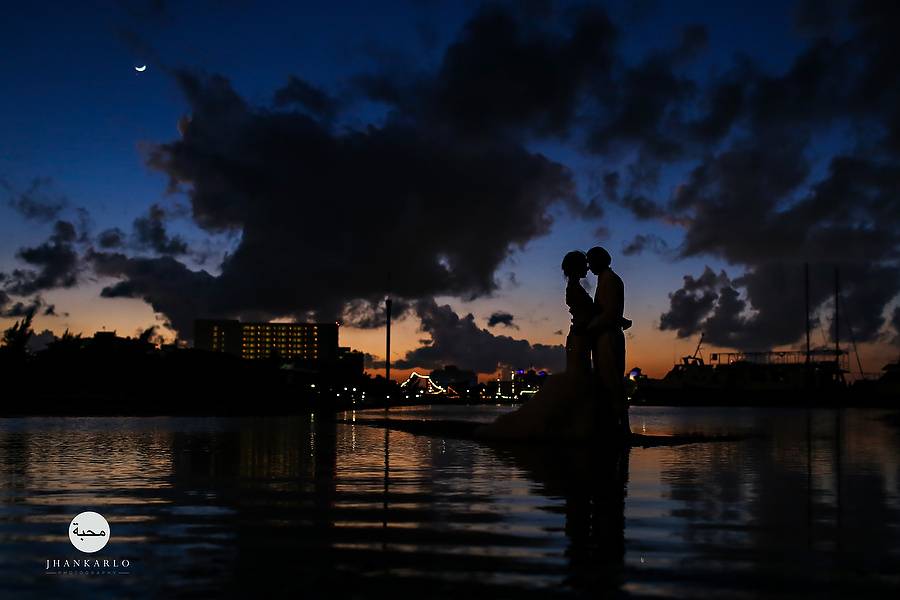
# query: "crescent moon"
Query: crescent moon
{"points": [[141, 69]]}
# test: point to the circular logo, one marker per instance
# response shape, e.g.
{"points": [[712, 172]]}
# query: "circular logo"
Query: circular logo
{"points": [[89, 531]]}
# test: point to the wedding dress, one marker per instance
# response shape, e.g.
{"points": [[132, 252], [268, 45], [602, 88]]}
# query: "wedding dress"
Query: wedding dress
{"points": [[566, 407]]}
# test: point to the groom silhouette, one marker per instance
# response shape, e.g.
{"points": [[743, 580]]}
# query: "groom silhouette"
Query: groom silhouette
{"points": [[608, 347]]}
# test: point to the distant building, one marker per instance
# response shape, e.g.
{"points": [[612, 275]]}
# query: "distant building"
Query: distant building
{"points": [[308, 342]]}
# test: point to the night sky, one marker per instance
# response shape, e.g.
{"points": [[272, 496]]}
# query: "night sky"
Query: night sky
{"points": [[301, 160]]}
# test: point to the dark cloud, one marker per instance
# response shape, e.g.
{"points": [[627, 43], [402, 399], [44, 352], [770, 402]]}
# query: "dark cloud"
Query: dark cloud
{"points": [[744, 206], [843, 76], [36, 202], [643, 110], [692, 303], [18, 309], [507, 73], [307, 96], [459, 341], [56, 260], [731, 197], [818, 16], [639, 177], [326, 217], [501, 318], [760, 203], [505, 70], [445, 187], [367, 314], [712, 304], [9, 309], [642, 242], [865, 295], [150, 233], [610, 185], [642, 207], [765, 307], [167, 285], [111, 238], [694, 39], [721, 106]]}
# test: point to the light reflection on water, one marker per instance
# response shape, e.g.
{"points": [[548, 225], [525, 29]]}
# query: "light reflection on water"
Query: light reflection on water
{"points": [[808, 503]]}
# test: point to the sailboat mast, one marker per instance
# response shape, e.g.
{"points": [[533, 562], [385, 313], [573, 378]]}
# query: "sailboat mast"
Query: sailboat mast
{"points": [[806, 302], [837, 318]]}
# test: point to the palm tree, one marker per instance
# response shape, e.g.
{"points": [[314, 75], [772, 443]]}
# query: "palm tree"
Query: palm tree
{"points": [[15, 339]]}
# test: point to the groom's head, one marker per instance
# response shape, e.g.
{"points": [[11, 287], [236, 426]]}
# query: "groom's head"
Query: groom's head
{"points": [[598, 259]]}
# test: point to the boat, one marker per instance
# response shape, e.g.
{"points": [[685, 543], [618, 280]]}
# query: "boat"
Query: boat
{"points": [[810, 377], [774, 377]]}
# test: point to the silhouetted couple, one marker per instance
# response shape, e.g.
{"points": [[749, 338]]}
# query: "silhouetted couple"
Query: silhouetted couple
{"points": [[589, 398]]}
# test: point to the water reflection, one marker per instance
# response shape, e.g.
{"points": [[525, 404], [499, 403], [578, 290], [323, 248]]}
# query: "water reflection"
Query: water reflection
{"points": [[810, 508], [307, 506], [592, 483]]}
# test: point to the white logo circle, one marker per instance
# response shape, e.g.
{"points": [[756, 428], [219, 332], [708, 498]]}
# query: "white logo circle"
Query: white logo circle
{"points": [[89, 531]]}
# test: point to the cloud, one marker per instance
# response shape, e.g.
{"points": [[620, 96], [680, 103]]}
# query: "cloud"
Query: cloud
{"points": [[326, 218], [459, 341], [9, 309], [501, 318], [642, 110], [692, 303], [150, 233], [747, 206], [507, 73], [642, 242], [36, 202], [694, 39], [56, 260], [769, 189], [765, 307], [111, 238], [372, 314], [307, 96], [167, 285], [330, 219]]}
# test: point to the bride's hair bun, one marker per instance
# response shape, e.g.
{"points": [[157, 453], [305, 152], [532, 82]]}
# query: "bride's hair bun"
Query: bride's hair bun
{"points": [[574, 262]]}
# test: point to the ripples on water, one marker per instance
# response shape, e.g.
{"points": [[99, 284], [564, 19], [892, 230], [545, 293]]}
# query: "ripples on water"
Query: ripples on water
{"points": [[238, 507]]}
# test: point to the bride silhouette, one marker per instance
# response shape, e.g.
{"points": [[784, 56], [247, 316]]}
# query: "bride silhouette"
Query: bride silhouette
{"points": [[567, 406]]}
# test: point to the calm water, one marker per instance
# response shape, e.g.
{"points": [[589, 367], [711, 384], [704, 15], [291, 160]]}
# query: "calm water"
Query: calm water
{"points": [[239, 507]]}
